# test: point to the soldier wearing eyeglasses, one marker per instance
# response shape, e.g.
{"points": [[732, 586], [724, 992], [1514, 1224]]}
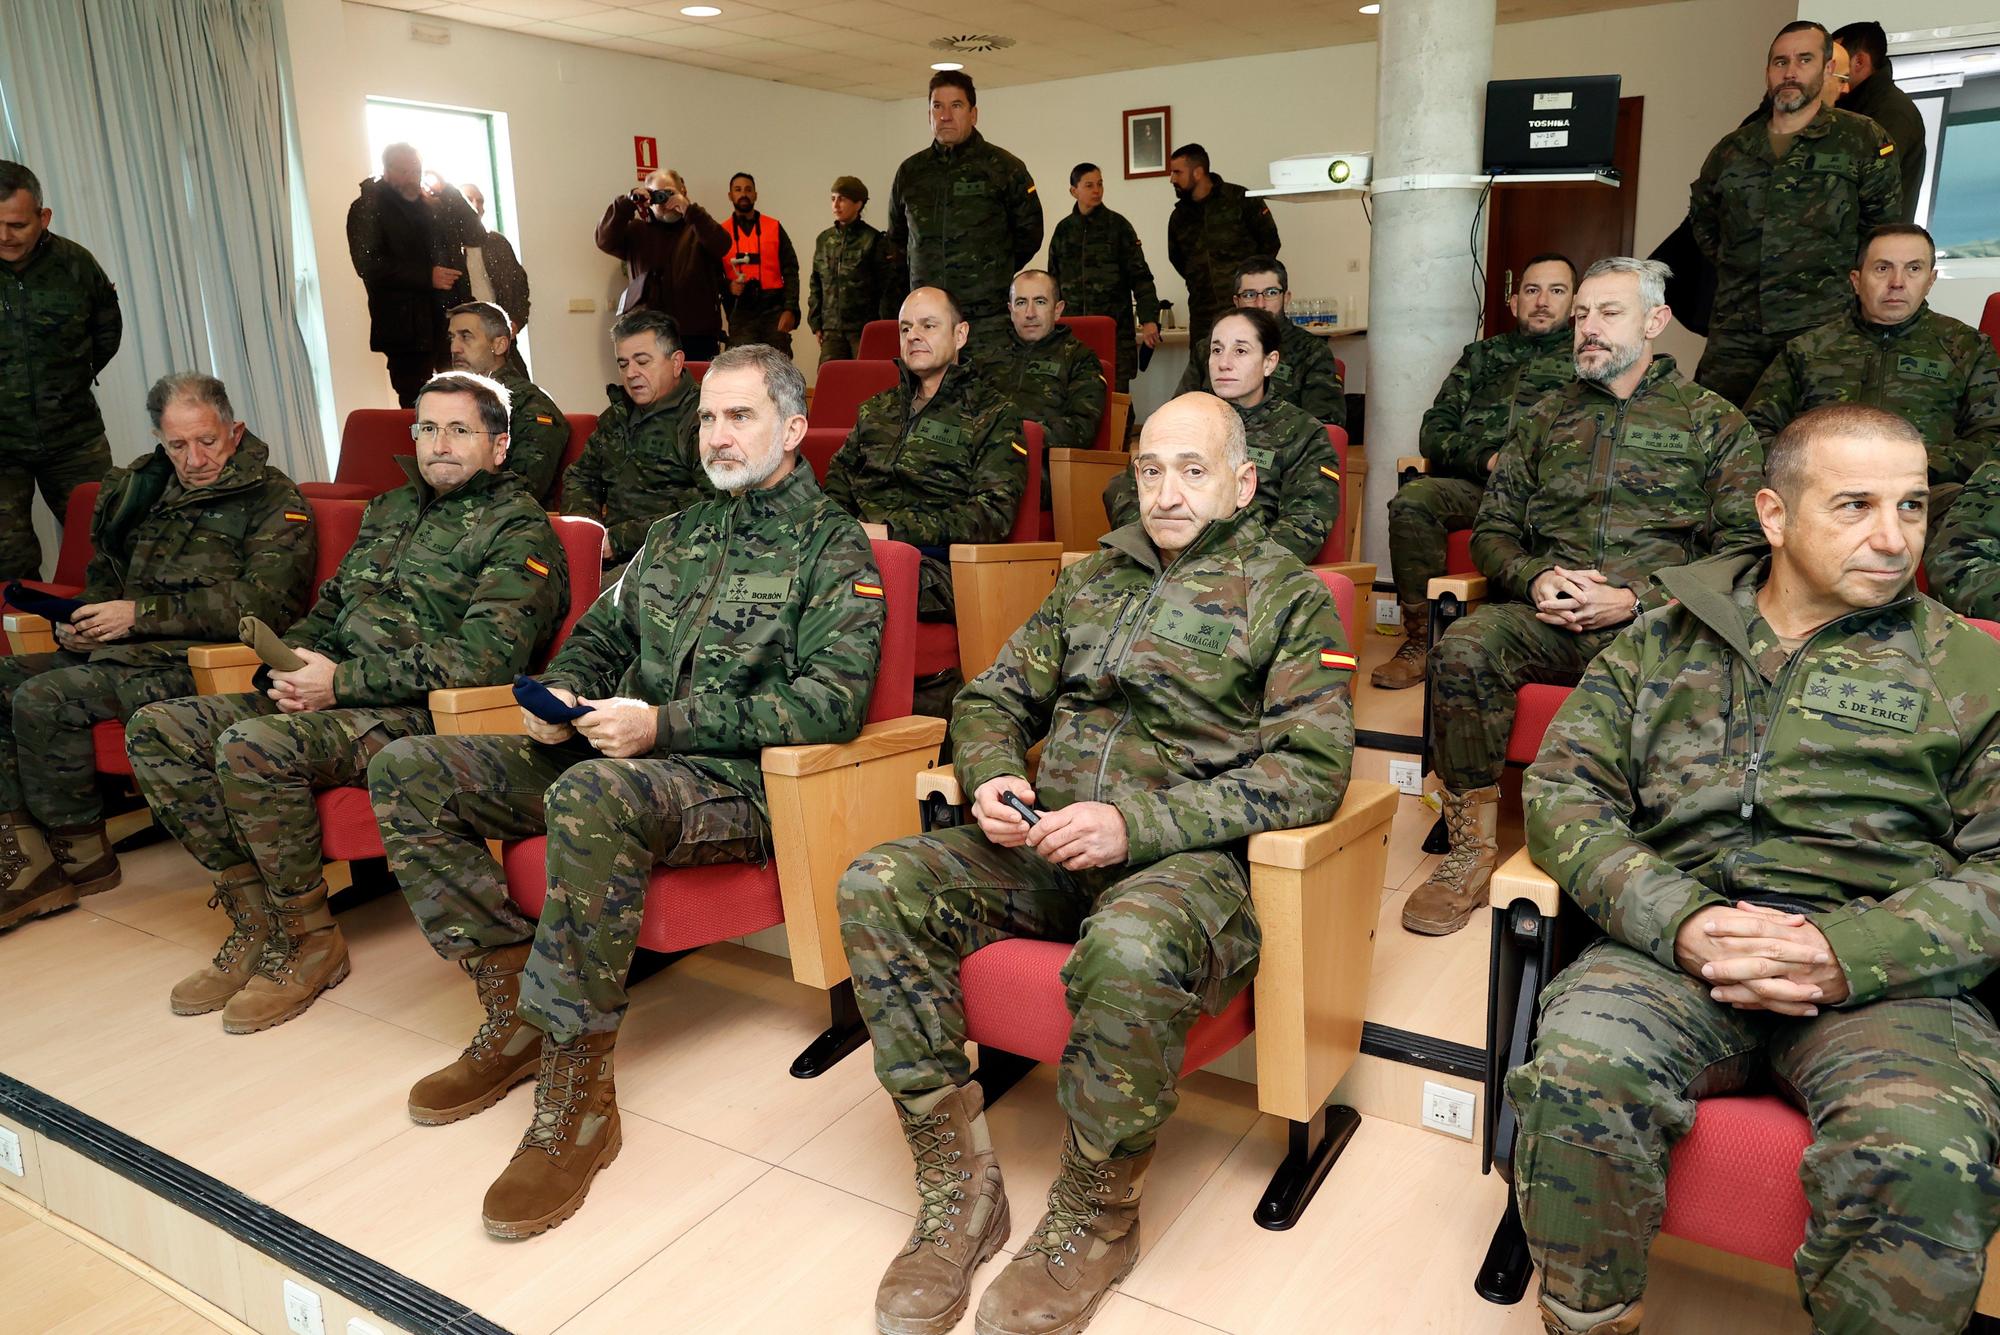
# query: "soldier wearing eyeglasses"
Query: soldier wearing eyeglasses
{"points": [[454, 580]]}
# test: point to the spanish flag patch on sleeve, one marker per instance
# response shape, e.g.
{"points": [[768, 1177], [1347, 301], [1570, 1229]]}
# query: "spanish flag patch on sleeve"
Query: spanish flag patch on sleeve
{"points": [[1334, 658], [1019, 448], [1329, 472], [545, 421], [864, 590], [1885, 150], [298, 516], [538, 567]]}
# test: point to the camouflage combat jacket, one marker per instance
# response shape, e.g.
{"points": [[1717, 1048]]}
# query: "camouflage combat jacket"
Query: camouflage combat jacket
{"points": [[1206, 697], [965, 219], [195, 562], [854, 279], [1494, 381], [1057, 382], [1298, 478], [1939, 374], [537, 434], [1963, 556], [439, 591], [59, 326], [1856, 780], [640, 464], [1782, 233], [951, 472], [1208, 238], [1102, 268], [1627, 487], [751, 620]]}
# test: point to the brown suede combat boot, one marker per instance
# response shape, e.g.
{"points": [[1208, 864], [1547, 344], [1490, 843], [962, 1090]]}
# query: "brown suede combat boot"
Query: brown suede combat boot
{"points": [[962, 1217], [240, 893], [304, 956], [87, 859], [502, 1054], [1560, 1320], [574, 1135], [31, 880], [1445, 902], [1084, 1247], [1412, 661]]}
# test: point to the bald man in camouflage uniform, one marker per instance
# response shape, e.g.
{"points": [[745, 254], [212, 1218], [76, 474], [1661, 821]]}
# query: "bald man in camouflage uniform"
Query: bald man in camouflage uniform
{"points": [[1190, 682], [751, 620], [1779, 797], [453, 580], [1049, 374]]}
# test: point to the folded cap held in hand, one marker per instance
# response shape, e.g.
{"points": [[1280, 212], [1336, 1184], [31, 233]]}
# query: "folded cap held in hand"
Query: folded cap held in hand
{"points": [[277, 655], [543, 703], [23, 598]]}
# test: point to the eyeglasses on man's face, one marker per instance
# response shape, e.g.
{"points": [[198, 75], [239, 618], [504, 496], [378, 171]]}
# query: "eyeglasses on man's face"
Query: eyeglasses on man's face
{"points": [[1253, 293], [457, 433]]}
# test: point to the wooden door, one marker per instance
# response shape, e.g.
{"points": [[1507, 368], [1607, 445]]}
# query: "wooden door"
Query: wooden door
{"points": [[1583, 220]]}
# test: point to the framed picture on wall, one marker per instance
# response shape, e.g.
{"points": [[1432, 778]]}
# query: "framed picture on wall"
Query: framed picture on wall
{"points": [[1148, 140]]}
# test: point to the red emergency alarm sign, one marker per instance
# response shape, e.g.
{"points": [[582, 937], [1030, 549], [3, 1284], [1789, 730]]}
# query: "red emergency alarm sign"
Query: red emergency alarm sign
{"points": [[646, 154]]}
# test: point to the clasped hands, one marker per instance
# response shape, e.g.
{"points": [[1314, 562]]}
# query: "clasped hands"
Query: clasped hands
{"points": [[1758, 958], [620, 728], [97, 624], [1580, 600], [1079, 837]]}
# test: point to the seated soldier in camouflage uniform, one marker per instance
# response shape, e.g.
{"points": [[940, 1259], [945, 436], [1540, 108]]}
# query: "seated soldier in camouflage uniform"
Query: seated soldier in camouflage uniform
{"points": [[1779, 797], [1892, 351], [936, 460], [1050, 374], [1307, 375], [482, 342], [453, 581], [191, 538], [1298, 474], [1624, 471], [1223, 711], [641, 462], [1495, 381], [854, 275], [750, 620]]}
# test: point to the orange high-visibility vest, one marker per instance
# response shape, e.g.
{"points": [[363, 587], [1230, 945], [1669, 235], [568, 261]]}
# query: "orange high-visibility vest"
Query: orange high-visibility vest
{"points": [[761, 245]]}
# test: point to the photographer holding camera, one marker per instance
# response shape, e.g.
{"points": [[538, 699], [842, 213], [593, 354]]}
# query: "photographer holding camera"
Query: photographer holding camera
{"points": [[763, 272], [675, 253]]}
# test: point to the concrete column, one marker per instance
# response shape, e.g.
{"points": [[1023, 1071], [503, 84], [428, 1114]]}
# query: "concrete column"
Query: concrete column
{"points": [[1433, 58]]}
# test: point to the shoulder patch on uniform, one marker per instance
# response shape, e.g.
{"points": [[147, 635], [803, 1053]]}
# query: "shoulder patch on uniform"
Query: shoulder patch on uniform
{"points": [[298, 516], [863, 590], [1334, 658], [545, 421], [1329, 472], [538, 566], [1885, 150], [1018, 447]]}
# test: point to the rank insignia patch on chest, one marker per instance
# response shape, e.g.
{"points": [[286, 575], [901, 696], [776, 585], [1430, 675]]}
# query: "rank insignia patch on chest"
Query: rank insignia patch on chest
{"points": [[1334, 658], [1884, 703], [757, 589]]}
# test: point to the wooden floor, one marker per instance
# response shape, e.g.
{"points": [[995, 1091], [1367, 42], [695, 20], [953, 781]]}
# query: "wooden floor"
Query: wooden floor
{"points": [[744, 1200]]}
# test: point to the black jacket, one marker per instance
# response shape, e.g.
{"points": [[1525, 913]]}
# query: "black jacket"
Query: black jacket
{"points": [[394, 243]]}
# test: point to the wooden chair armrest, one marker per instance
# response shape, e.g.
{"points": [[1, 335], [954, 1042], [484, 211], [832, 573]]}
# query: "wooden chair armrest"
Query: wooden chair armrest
{"points": [[1465, 588], [1519, 878], [996, 586], [1071, 558], [829, 805], [1318, 893], [1412, 463], [30, 634], [465, 711], [1077, 479], [995, 553], [941, 782], [1361, 574], [222, 669], [1070, 454]]}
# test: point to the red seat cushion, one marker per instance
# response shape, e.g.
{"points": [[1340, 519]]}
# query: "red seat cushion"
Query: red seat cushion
{"points": [[347, 825], [1458, 552], [107, 739], [1535, 707], [1014, 1001], [937, 647], [1733, 1181], [686, 907]]}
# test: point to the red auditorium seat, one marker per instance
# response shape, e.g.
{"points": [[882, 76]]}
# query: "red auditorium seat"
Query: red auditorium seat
{"points": [[697, 370], [881, 341], [842, 388], [1989, 318], [73, 557], [370, 440]]}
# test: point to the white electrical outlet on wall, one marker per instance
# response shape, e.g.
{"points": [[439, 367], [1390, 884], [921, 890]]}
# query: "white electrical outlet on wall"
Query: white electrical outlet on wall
{"points": [[10, 1153], [1448, 1110], [302, 1310], [1408, 775]]}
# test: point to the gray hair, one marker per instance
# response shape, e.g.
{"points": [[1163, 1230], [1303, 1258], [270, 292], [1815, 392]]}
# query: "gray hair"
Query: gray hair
{"points": [[783, 380], [1652, 275], [1785, 459], [491, 318], [399, 151], [495, 403], [15, 177], [188, 387], [659, 324]]}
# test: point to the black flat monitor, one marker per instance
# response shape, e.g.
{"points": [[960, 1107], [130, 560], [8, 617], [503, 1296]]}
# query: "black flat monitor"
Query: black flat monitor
{"points": [[1536, 127]]}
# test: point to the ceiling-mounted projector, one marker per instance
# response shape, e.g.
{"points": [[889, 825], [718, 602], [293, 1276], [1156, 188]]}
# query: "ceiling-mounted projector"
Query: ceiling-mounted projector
{"points": [[1318, 171]]}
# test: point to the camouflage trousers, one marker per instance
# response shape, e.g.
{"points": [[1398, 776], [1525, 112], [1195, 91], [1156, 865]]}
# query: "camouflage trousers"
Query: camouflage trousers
{"points": [[608, 822], [758, 324], [1422, 515], [839, 344], [990, 338], [48, 705], [1475, 668], [57, 473], [1156, 947], [1735, 359], [1904, 1098], [233, 779]]}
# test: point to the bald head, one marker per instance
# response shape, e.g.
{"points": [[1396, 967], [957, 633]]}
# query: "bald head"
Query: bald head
{"points": [[932, 330], [1192, 468]]}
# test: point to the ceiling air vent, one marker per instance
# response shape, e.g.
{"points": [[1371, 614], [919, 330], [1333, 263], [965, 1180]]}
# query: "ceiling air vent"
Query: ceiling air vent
{"points": [[972, 43]]}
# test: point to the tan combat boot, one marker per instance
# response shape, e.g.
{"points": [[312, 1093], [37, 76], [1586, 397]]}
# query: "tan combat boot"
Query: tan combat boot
{"points": [[31, 880], [1559, 1319], [240, 893], [502, 1054], [87, 859], [574, 1135], [1085, 1245], [1412, 661], [962, 1217], [1445, 902], [305, 955]]}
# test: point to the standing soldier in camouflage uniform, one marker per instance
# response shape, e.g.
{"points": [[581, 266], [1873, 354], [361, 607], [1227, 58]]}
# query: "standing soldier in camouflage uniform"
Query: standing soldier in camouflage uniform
{"points": [[1215, 227], [963, 214], [1619, 474], [1780, 209], [936, 460], [1298, 473], [453, 581], [1224, 711], [191, 538], [750, 620], [1308, 374], [642, 461], [763, 271], [537, 432], [1892, 351], [1495, 380], [1051, 376], [854, 276], [1096, 257], [59, 326], [1777, 797], [1963, 556]]}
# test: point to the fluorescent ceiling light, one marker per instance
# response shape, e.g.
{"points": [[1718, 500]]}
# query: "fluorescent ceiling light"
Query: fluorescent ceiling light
{"points": [[701, 11], [1366, 9], [948, 65]]}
